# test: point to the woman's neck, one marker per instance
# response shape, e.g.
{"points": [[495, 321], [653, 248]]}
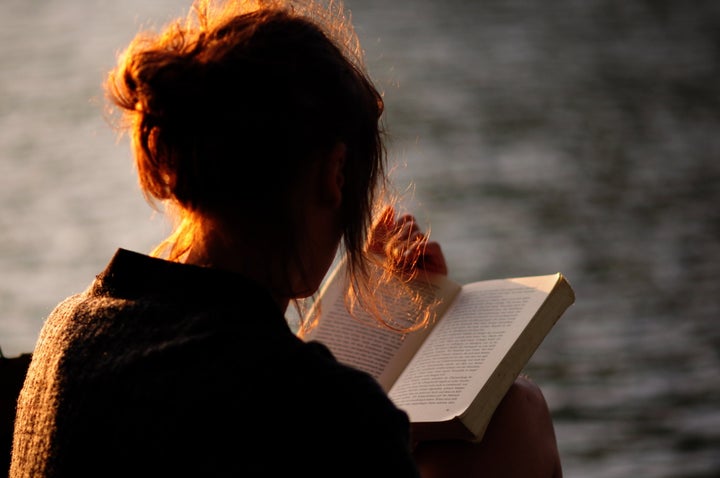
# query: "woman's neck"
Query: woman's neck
{"points": [[213, 249]]}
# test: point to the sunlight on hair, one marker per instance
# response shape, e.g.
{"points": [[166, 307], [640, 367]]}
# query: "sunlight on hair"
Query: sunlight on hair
{"points": [[382, 297], [330, 16]]}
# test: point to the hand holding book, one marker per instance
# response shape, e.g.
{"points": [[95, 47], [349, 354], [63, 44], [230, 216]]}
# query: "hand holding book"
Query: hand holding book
{"points": [[403, 242], [451, 374]]}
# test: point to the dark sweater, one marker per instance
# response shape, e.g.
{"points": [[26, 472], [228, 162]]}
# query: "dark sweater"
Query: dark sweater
{"points": [[167, 369]]}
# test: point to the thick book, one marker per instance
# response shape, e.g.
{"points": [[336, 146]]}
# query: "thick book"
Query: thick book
{"points": [[450, 375]]}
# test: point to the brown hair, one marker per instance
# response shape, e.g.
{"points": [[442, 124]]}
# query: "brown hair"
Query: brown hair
{"points": [[227, 108]]}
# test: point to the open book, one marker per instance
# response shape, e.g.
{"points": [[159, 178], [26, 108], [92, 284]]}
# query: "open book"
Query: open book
{"points": [[451, 375]]}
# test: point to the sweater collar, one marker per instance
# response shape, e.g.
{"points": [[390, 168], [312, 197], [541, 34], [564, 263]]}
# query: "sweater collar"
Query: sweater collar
{"points": [[133, 275]]}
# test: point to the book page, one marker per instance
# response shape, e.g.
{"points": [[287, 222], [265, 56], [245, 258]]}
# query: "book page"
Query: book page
{"points": [[365, 344], [467, 345]]}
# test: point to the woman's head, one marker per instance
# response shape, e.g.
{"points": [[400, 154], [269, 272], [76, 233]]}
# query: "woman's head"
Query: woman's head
{"points": [[229, 109]]}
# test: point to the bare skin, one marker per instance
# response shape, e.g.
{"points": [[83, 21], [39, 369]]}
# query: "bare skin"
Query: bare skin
{"points": [[519, 442]]}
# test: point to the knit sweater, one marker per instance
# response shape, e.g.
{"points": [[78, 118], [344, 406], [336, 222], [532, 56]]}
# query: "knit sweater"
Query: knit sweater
{"points": [[168, 369]]}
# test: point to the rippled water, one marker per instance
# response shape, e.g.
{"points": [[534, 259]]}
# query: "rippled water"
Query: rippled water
{"points": [[574, 135]]}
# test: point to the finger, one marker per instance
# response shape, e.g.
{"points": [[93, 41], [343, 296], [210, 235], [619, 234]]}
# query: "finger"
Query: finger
{"points": [[407, 221], [433, 259], [381, 230], [407, 230]]}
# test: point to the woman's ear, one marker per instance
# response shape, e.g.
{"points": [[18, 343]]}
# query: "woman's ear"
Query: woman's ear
{"points": [[333, 175]]}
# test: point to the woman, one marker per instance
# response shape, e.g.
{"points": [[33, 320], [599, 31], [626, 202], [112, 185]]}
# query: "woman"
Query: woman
{"points": [[258, 128]]}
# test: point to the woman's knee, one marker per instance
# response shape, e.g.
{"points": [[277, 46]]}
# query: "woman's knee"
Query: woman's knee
{"points": [[519, 442], [522, 425]]}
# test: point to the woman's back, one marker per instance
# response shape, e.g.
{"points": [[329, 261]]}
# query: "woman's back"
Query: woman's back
{"points": [[162, 369]]}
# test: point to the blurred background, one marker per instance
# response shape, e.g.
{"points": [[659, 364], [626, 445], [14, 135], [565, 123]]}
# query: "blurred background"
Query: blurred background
{"points": [[579, 136]]}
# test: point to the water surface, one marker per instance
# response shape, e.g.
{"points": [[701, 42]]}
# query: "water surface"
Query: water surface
{"points": [[578, 136]]}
